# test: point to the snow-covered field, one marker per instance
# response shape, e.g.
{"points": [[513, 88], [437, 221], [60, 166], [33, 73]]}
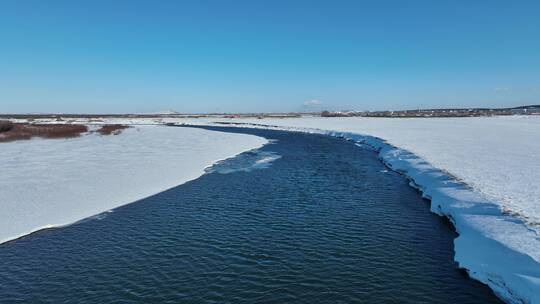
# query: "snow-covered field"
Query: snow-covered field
{"points": [[47, 183], [482, 173]]}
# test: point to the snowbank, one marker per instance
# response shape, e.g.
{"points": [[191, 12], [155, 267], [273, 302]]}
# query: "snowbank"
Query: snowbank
{"points": [[496, 249], [49, 183], [481, 173]]}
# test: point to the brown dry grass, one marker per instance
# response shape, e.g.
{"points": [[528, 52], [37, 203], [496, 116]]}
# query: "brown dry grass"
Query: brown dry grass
{"points": [[27, 131], [112, 129], [5, 125]]}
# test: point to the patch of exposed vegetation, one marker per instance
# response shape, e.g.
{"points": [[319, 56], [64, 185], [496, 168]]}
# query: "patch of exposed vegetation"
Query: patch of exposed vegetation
{"points": [[111, 129], [5, 125], [20, 131]]}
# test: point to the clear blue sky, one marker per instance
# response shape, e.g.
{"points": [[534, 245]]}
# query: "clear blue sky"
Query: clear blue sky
{"points": [[230, 56]]}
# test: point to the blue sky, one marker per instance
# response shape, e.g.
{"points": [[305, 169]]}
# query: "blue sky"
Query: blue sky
{"points": [[250, 56]]}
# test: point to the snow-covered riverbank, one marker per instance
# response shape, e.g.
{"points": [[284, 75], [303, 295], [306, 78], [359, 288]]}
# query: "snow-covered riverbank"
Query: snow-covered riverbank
{"points": [[497, 156], [49, 183], [482, 173]]}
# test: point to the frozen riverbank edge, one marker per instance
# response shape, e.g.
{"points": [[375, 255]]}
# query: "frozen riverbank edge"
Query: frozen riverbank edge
{"points": [[495, 248], [90, 175]]}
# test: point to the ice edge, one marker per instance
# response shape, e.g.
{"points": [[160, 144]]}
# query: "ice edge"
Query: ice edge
{"points": [[514, 276]]}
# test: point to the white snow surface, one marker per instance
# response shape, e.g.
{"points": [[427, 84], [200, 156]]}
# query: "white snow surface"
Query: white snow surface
{"points": [[482, 173], [54, 182]]}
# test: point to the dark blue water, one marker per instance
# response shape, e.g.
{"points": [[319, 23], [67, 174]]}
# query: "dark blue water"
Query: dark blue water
{"points": [[325, 222]]}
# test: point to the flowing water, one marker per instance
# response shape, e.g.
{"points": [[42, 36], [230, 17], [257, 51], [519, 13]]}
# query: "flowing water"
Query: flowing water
{"points": [[305, 219]]}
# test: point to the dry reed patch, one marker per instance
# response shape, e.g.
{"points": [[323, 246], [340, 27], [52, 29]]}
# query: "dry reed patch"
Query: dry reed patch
{"points": [[25, 131], [111, 129], [5, 125]]}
